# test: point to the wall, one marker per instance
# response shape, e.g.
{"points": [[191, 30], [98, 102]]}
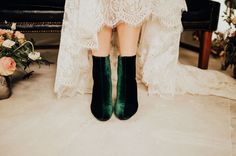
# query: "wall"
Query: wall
{"points": [[222, 26]]}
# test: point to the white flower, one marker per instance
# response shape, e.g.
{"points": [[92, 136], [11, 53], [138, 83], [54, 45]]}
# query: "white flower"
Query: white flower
{"points": [[34, 55], [13, 26], [8, 43]]}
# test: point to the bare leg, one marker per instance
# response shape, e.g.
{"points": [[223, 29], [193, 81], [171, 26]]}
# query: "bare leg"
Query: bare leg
{"points": [[128, 39], [104, 41]]}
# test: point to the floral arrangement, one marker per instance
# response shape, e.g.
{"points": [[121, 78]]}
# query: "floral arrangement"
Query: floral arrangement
{"points": [[225, 43], [17, 53]]}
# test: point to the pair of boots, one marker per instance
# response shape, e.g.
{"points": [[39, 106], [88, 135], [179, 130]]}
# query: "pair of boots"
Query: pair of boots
{"points": [[126, 104]]}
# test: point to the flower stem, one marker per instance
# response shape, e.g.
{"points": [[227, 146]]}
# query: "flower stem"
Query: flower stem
{"points": [[24, 44]]}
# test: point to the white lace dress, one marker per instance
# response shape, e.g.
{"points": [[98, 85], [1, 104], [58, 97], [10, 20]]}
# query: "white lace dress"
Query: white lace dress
{"points": [[157, 57]]}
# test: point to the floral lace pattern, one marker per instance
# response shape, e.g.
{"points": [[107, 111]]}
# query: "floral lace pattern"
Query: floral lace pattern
{"points": [[94, 14], [128, 11]]}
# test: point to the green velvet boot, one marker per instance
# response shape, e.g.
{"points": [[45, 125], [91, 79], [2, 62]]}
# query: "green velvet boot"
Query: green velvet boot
{"points": [[126, 100], [101, 105]]}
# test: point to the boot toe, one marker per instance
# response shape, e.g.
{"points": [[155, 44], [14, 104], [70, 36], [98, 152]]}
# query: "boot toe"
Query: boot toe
{"points": [[102, 115], [124, 114]]}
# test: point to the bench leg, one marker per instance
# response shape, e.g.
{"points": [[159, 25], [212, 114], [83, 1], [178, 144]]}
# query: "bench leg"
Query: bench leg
{"points": [[205, 49]]}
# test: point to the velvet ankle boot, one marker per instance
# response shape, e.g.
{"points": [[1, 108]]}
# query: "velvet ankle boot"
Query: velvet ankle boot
{"points": [[101, 105], [126, 100]]}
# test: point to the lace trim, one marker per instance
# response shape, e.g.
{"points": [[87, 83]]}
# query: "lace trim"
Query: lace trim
{"points": [[134, 12], [94, 15]]}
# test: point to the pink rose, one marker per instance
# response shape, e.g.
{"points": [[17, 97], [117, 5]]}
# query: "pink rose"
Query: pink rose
{"points": [[2, 31], [7, 66]]}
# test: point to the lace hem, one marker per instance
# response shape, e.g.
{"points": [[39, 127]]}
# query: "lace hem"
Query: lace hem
{"points": [[93, 15], [134, 12]]}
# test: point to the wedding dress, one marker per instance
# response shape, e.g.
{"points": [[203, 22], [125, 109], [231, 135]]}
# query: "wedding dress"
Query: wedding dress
{"points": [[158, 50]]}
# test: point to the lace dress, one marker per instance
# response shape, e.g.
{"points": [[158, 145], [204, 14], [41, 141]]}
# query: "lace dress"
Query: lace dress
{"points": [[157, 57]]}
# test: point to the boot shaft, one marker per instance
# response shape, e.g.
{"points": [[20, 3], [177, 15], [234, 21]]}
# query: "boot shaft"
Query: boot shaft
{"points": [[127, 65], [101, 67]]}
